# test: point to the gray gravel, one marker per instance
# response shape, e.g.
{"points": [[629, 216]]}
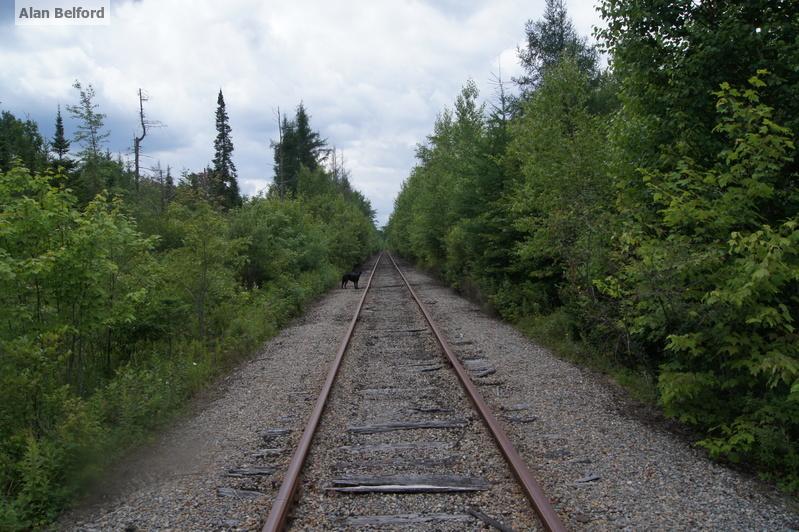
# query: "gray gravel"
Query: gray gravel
{"points": [[394, 372], [182, 481], [602, 465]]}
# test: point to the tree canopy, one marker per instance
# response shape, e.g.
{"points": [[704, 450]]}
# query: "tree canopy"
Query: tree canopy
{"points": [[647, 216], [118, 302]]}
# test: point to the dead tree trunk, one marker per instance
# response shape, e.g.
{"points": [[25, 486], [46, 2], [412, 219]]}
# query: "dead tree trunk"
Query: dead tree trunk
{"points": [[137, 140], [281, 184]]}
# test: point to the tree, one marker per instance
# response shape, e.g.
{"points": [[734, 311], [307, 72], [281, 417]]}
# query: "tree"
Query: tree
{"points": [[710, 284], [500, 114], [548, 40], [168, 188], [279, 237], [310, 145], [203, 267], [116, 307], [277, 148], [224, 187], [671, 56], [286, 162], [97, 171], [560, 205], [21, 140], [59, 144], [706, 167], [299, 146], [89, 132], [137, 140]]}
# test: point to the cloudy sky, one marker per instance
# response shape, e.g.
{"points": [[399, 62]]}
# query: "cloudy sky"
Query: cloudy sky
{"points": [[373, 74]]}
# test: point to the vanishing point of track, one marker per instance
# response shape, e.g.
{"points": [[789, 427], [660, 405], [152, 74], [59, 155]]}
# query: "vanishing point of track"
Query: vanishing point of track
{"points": [[287, 494]]}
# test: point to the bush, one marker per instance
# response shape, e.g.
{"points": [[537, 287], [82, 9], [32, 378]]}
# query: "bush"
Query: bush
{"points": [[107, 332]]}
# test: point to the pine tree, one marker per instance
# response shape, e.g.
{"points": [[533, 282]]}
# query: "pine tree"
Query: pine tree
{"points": [[310, 146], [299, 146], [286, 165], [60, 144], [169, 185], [225, 186], [548, 40], [90, 132], [92, 176]]}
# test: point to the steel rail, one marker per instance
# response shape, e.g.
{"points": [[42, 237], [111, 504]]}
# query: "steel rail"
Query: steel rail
{"points": [[285, 496], [541, 504]]}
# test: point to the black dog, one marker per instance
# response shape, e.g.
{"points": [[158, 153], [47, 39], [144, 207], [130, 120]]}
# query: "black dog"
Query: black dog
{"points": [[350, 276]]}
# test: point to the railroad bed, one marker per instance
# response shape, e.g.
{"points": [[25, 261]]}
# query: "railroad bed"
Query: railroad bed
{"points": [[604, 464], [400, 444]]}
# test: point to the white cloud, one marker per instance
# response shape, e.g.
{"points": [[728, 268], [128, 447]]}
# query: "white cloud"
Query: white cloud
{"points": [[373, 74]]}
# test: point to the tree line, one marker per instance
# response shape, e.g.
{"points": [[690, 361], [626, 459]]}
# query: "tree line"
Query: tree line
{"points": [[123, 291], [646, 212]]}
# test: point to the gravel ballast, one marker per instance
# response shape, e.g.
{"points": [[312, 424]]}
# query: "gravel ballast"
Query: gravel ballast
{"points": [[604, 467], [202, 474], [397, 412]]}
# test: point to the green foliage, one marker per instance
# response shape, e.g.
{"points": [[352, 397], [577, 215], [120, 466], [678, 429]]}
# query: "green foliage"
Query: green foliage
{"points": [[106, 331], [671, 56], [515, 213], [561, 202], [59, 145], [282, 240], [550, 40], [89, 133], [71, 283], [731, 366], [224, 185], [202, 269], [705, 167], [22, 141], [447, 187], [645, 219], [298, 147]]}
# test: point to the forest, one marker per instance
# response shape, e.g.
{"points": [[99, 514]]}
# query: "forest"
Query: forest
{"points": [[642, 215], [123, 291]]}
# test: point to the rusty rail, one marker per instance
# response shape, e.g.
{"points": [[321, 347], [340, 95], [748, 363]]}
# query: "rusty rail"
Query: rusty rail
{"points": [[541, 505], [285, 496], [280, 508]]}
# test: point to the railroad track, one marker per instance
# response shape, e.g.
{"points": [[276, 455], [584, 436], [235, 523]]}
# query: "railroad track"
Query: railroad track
{"points": [[396, 441]]}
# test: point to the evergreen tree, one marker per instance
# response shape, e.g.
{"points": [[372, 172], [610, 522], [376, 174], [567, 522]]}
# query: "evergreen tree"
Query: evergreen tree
{"points": [[286, 165], [169, 185], [224, 185], [95, 173], [310, 145], [90, 132], [299, 146], [60, 144], [548, 40]]}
